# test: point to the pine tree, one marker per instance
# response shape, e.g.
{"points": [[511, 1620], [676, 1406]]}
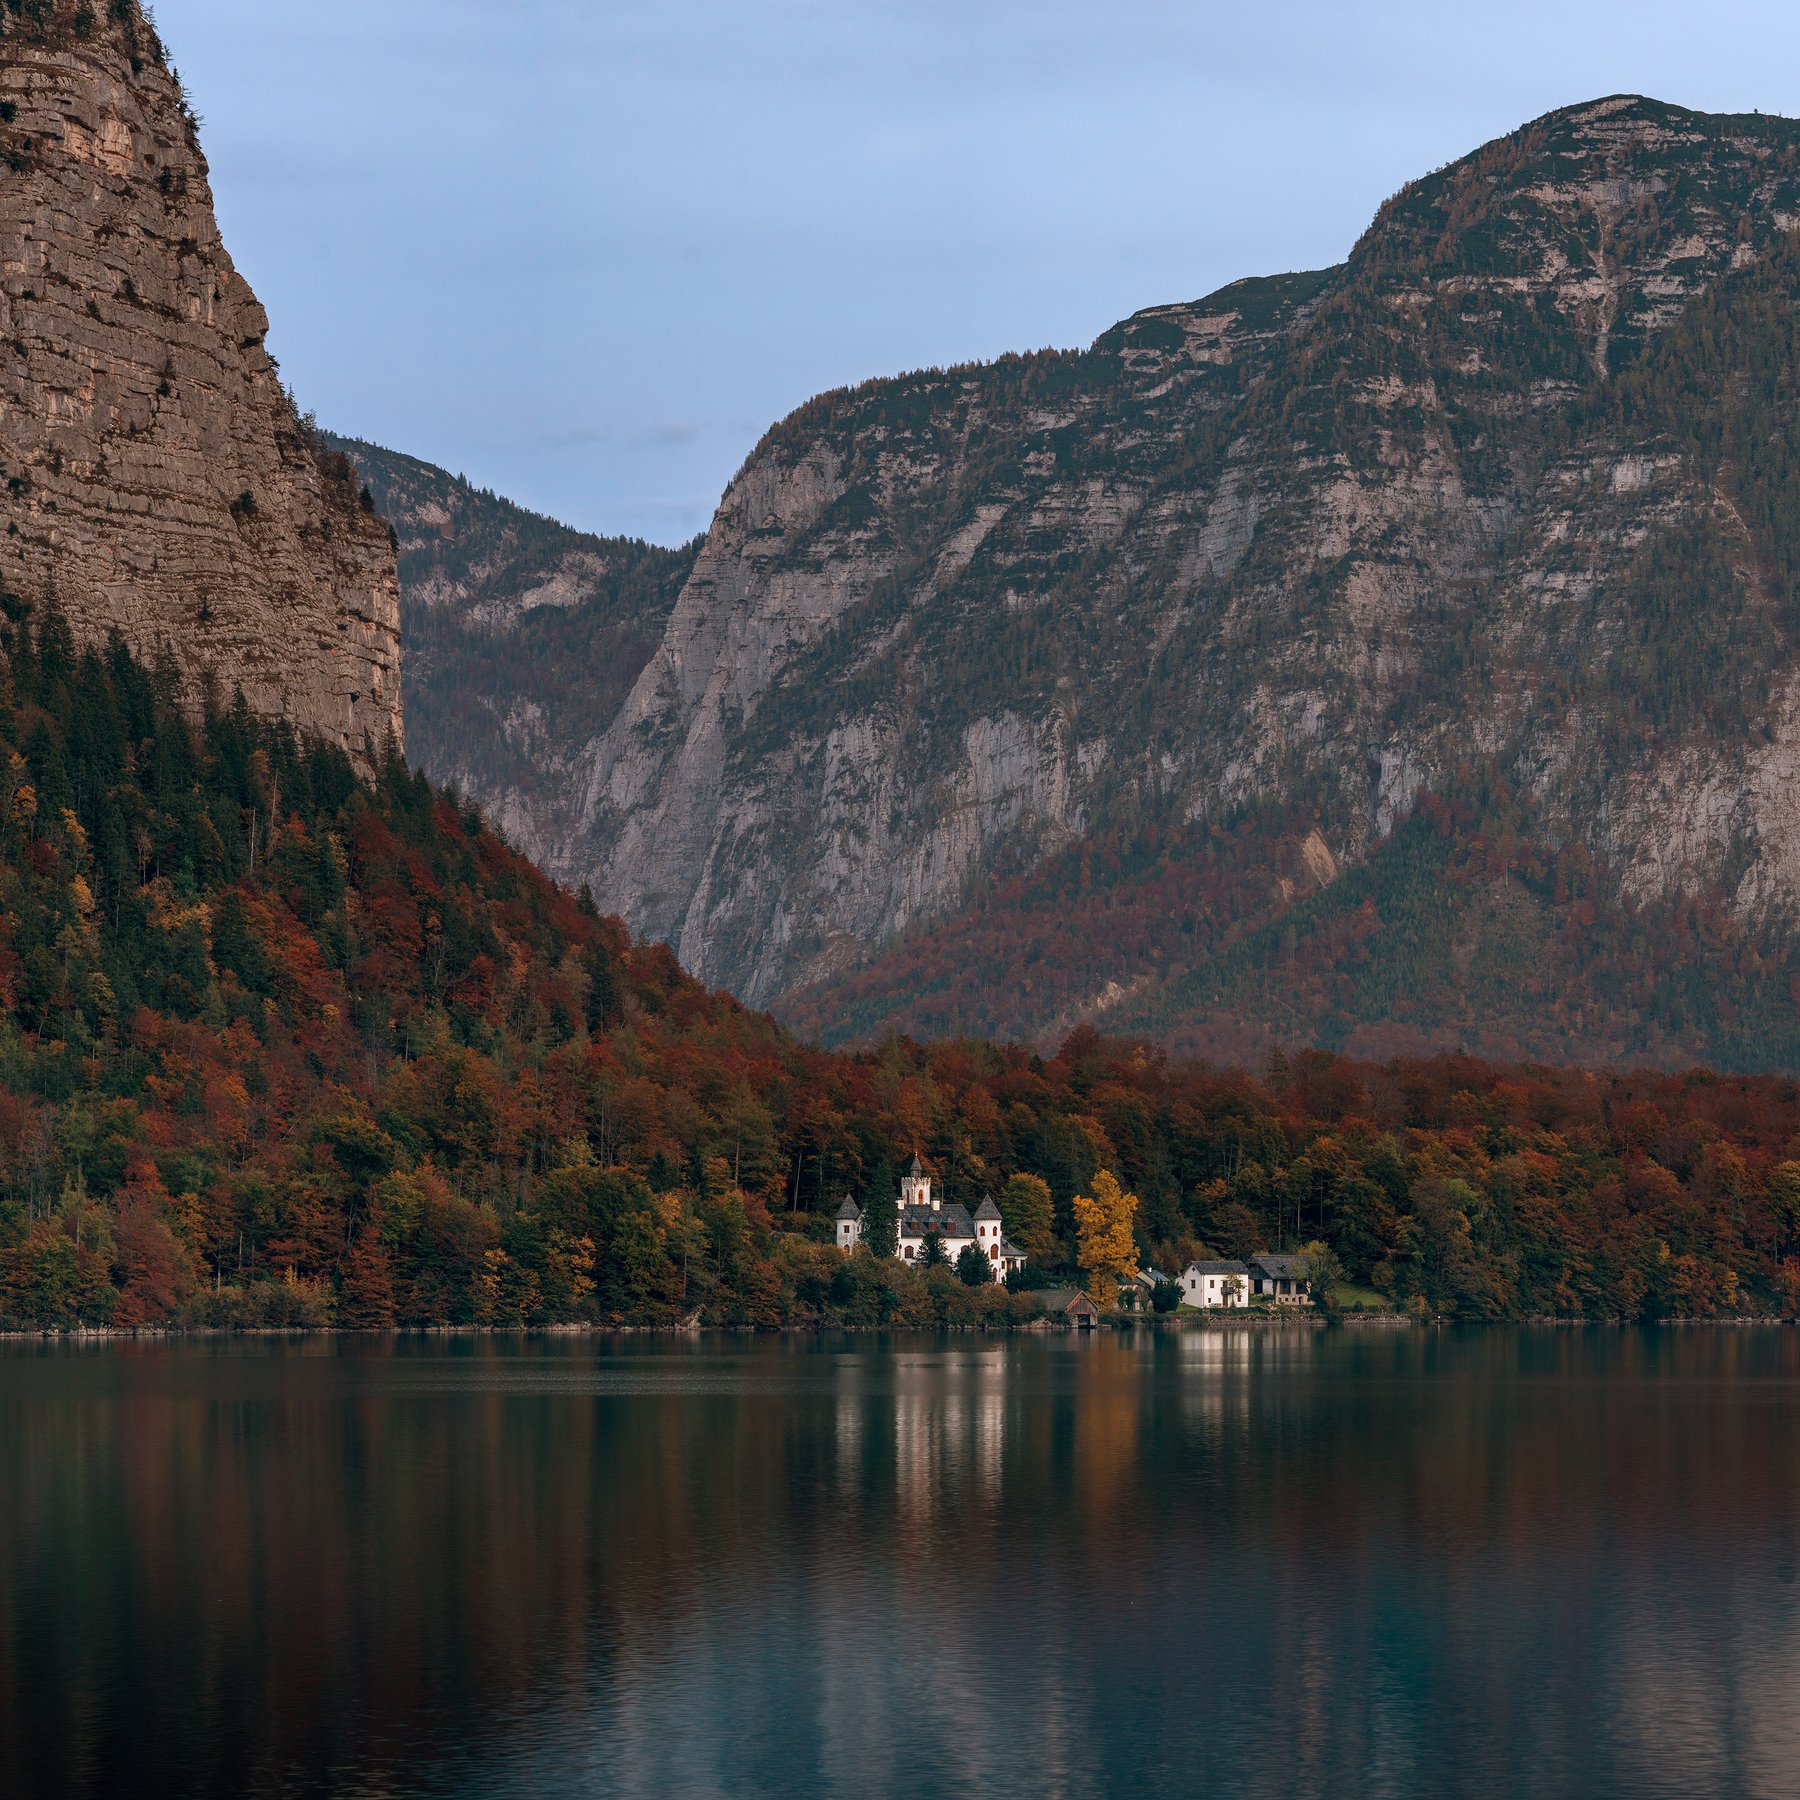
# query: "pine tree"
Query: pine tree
{"points": [[881, 1212]]}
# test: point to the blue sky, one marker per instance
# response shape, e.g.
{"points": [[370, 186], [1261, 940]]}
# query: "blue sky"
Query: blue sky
{"points": [[586, 251]]}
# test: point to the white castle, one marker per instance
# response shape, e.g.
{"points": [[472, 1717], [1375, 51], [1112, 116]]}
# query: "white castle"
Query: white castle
{"points": [[924, 1216]]}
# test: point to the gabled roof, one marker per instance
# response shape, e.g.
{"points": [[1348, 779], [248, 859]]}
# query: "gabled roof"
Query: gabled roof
{"points": [[1280, 1267], [1061, 1299], [1218, 1268], [1009, 1248], [849, 1210], [987, 1210]]}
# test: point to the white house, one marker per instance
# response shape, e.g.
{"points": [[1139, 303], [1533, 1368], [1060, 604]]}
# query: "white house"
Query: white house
{"points": [[1215, 1284], [924, 1216]]}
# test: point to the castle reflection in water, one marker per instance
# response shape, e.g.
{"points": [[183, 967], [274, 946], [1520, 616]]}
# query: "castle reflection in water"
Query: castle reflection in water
{"points": [[1233, 1561]]}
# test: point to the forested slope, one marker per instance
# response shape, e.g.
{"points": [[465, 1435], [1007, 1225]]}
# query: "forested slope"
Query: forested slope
{"points": [[278, 1046]]}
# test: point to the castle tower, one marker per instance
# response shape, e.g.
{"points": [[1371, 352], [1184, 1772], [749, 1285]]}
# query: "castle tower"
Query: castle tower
{"points": [[849, 1224], [988, 1232], [915, 1187]]}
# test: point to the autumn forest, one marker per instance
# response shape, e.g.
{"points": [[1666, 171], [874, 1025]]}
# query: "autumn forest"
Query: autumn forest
{"points": [[283, 1048]]}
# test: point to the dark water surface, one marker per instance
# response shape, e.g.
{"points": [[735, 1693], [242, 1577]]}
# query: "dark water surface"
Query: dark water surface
{"points": [[1216, 1563]]}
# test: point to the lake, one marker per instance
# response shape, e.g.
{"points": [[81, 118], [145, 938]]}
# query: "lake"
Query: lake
{"points": [[1216, 1562]]}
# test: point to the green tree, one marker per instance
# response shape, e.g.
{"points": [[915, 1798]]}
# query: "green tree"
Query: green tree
{"points": [[1324, 1271], [1239, 1232], [1029, 1216], [931, 1252], [881, 1212], [972, 1267]]}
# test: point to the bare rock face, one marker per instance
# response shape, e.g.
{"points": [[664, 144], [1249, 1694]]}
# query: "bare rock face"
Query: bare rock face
{"points": [[1322, 544], [156, 479]]}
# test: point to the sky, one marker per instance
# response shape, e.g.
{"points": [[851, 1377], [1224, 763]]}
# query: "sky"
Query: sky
{"points": [[587, 251]]}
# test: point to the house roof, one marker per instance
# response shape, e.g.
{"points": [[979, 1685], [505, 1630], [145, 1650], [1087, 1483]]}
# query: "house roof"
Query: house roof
{"points": [[949, 1221], [1061, 1299], [849, 1210], [1281, 1267], [1009, 1248], [1218, 1268], [987, 1209]]}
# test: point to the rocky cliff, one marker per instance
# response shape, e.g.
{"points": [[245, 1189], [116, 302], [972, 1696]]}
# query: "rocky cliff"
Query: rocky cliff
{"points": [[157, 480], [1409, 645]]}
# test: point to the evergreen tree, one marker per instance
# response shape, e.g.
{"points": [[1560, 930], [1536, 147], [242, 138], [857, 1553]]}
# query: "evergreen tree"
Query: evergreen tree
{"points": [[881, 1212], [972, 1267]]}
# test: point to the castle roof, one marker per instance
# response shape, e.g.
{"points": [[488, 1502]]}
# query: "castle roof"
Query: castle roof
{"points": [[950, 1221], [987, 1209], [918, 1168], [849, 1210]]}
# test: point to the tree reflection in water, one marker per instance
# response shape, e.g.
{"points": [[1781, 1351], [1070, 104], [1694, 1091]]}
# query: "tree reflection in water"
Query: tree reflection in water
{"points": [[1229, 1562]]}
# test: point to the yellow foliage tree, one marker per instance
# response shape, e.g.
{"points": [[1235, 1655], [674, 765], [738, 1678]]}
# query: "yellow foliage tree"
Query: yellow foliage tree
{"points": [[1103, 1232]]}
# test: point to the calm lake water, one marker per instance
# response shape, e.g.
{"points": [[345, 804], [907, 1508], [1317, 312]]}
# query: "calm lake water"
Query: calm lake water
{"points": [[1363, 1562]]}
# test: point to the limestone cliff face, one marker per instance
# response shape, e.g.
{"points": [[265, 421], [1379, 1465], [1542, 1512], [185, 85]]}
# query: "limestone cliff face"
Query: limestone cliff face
{"points": [[1327, 537], [156, 479]]}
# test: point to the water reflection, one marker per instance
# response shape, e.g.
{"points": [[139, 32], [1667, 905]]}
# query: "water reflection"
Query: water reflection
{"points": [[1237, 1562]]}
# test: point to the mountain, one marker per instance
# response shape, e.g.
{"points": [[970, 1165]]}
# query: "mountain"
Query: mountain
{"points": [[290, 1036], [157, 481], [523, 637], [1393, 654]]}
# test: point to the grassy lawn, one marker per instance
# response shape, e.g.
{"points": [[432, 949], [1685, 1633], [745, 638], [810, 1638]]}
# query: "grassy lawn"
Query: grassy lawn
{"points": [[1351, 1298]]}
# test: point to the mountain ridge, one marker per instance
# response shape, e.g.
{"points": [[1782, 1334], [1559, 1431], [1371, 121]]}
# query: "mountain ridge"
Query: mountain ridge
{"points": [[519, 630], [1314, 546]]}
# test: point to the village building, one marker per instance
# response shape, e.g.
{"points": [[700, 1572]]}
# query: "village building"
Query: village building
{"points": [[1139, 1293], [924, 1216], [1072, 1305], [1211, 1284], [1280, 1280]]}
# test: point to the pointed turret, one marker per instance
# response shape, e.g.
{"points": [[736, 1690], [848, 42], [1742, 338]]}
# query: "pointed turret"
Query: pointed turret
{"points": [[849, 1224]]}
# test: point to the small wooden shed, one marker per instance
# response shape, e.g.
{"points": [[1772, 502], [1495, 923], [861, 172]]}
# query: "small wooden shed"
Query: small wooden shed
{"points": [[1071, 1304]]}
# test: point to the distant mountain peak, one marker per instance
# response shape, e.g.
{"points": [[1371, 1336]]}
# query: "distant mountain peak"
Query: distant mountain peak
{"points": [[1467, 569]]}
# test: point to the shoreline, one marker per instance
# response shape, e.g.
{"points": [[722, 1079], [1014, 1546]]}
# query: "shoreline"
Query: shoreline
{"points": [[1034, 1327]]}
